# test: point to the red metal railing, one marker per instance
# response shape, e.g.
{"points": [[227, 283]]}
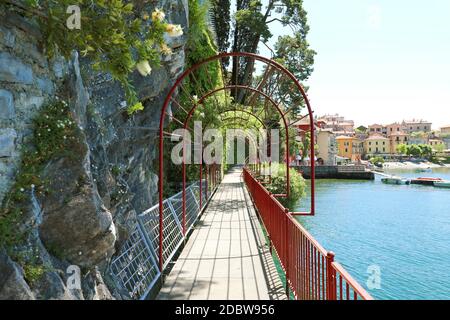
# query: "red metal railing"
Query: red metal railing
{"points": [[311, 272]]}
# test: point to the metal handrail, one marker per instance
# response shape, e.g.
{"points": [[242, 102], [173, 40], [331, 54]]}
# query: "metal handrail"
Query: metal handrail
{"points": [[311, 272], [357, 288]]}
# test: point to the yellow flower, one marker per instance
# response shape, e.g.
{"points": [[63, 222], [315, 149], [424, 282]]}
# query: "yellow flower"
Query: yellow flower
{"points": [[166, 50], [174, 30], [144, 68], [145, 17], [158, 15]]}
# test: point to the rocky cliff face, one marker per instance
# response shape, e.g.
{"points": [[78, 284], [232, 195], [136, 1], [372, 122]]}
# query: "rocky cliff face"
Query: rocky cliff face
{"points": [[98, 191]]}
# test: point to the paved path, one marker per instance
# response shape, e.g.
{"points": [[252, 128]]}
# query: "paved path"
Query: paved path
{"points": [[226, 256]]}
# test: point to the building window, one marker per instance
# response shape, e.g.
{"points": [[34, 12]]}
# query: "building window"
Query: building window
{"points": [[346, 150], [384, 149], [370, 149]]}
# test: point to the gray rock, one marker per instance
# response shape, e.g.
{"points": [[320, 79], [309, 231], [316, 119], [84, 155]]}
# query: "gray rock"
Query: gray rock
{"points": [[45, 85], [14, 70], [7, 142], [176, 63], [94, 287], [12, 283], [51, 287], [26, 25], [59, 67], [78, 93], [6, 105], [28, 104], [150, 86], [8, 37], [177, 13], [75, 220]]}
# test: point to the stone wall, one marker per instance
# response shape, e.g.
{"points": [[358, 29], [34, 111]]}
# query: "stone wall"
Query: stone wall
{"points": [[27, 79], [113, 176]]}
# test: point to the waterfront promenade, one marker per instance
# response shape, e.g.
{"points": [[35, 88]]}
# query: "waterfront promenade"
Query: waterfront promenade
{"points": [[226, 257]]}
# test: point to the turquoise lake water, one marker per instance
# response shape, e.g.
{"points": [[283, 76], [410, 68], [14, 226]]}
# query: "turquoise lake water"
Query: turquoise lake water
{"points": [[404, 230]]}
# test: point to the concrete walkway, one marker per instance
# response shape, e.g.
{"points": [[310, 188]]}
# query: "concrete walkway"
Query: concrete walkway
{"points": [[226, 256]]}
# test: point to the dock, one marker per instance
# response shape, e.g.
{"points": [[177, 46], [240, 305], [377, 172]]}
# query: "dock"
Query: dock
{"points": [[337, 172]]}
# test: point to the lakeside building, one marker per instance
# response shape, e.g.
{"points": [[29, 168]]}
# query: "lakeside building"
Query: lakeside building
{"points": [[350, 148], [397, 138], [337, 123], [445, 129], [394, 128], [377, 145], [415, 125], [446, 141], [435, 143], [377, 129], [326, 143]]}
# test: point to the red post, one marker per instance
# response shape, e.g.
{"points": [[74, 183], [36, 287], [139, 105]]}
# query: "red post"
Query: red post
{"points": [[201, 173], [286, 248], [331, 277], [313, 166]]}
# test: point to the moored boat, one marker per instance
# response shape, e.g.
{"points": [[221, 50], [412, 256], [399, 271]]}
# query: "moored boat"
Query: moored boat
{"points": [[426, 181], [395, 180], [442, 184], [424, 170]]}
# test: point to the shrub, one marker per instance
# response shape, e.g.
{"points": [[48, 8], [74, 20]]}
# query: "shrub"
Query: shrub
{"points": [[297, 186]]}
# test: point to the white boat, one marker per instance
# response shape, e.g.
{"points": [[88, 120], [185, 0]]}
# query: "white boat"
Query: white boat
{"points": [[395, 180], [442, 184]]}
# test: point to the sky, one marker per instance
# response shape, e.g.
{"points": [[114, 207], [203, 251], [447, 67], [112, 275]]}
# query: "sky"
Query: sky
{"points": [[379, 61]]}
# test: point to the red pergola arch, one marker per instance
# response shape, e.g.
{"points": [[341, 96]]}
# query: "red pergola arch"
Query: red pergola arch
{"points": [[270, 66]]}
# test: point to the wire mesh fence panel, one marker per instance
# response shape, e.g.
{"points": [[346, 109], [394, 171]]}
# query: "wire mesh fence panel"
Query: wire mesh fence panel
{"points": [[177, 204], [135, 268], [192, 206], [149, 221]]}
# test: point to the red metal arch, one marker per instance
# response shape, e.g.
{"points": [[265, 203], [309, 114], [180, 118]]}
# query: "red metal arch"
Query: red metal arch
{"points": [[272, 102], [178, 84]]}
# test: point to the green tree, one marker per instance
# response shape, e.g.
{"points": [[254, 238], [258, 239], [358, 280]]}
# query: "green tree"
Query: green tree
{"points": [[414, 150], [402, 148], [361, 129], [426, 151], [440, 148], [252, 24], [220, 16]]}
